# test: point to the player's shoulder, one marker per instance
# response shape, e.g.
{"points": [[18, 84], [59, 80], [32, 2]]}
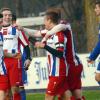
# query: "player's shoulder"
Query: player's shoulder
{"points": [[60, 33]]}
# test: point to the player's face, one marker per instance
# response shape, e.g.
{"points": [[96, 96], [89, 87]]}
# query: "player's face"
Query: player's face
{"points": [[97, 9], [47, 23], [7, 16]]}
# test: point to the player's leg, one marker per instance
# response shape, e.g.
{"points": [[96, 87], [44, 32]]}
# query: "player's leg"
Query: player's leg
{"points": [[3, 86], [24, 79], [77, 93], [97, 75], [49, 97], [2, 95], [14, 77], [15, 93], [75, 81], [22, 93], [58, 86]]}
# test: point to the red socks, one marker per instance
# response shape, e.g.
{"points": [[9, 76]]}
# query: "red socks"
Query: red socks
{"points": [[83, 98], [72, 98], [16, 96], [59, 98]]}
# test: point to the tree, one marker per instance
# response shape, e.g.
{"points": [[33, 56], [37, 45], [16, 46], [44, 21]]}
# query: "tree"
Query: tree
{"points": [[91, 24]]}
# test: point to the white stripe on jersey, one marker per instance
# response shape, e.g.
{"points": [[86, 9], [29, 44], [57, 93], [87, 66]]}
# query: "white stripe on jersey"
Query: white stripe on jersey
{"points": [[2, 64], [11, 39]]}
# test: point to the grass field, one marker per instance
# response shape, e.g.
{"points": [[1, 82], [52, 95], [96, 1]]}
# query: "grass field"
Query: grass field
{"points": [[89, 94]]}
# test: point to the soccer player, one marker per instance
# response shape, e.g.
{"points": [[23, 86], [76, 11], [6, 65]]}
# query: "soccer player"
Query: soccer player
{"points": [[75, 65], [58, 68], [96, 51], [12, 37], [22, 70], [3, 72]]}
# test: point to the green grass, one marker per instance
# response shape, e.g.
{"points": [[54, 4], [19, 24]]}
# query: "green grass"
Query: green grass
{"points": [[89, 94]]}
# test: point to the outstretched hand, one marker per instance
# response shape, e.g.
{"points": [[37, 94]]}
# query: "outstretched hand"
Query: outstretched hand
{"points": [[39, 45]]}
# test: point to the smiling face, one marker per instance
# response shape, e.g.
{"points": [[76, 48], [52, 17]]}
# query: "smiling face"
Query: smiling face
{"points": [[7, 17], [97, 9]]}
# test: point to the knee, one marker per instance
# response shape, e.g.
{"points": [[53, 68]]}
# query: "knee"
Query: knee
{"points": [[48, 97], [15, 89], [97, 77], [21, 88]]}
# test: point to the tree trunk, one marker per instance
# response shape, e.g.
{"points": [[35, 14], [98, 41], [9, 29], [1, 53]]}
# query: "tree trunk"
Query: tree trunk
{"points": [[19, 8], [91, 25]]}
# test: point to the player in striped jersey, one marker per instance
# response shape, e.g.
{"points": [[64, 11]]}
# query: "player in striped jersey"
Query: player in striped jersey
{"points": [[23, 71], [96, 51], [58, 68], [12, 37], [75, 66], [3, 72]]}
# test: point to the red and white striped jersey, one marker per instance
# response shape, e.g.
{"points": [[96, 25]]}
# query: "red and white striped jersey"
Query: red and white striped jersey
{"points": [[12, 37], [71, 55], [57, 66], [2, 64]]}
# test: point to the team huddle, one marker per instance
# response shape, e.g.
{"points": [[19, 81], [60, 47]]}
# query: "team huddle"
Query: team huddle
{"points": [[64, 65]]}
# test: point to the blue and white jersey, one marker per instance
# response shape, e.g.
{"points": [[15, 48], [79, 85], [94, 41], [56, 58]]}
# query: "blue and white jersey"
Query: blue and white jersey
{"points": [[12, 37], [96, 51], [2, 64]]}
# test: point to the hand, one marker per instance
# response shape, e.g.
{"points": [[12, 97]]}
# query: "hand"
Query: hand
{"points": [[32, 40], [39, 45], [27, 64], [89, 60], [18, 55]]}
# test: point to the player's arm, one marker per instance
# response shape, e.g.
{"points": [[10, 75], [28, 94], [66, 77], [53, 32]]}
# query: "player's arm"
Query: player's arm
{"points": [[55, 52], [57, 28], [26, 48], [96, 51], [58, 52], [30, 32]]}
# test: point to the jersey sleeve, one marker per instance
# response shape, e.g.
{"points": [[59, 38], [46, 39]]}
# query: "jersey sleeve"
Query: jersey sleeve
{"points": [[59, 41], [23, 39], [96, 51]]}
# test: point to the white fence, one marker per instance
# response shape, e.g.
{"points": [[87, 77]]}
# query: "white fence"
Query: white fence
{"points": [[38, 73]]}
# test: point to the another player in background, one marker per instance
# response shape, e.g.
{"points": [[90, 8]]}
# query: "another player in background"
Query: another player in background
{"points": [[12, 37], [96, 51], [23, 71]]}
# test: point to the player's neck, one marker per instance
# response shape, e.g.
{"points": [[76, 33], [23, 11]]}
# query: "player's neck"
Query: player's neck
{"points": [[6, 24]]}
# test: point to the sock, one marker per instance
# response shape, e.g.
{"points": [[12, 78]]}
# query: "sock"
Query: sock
{"points": [[23, 95], [72, 98], [83, 98], [16, 96], [99, 82], [59, 98]]}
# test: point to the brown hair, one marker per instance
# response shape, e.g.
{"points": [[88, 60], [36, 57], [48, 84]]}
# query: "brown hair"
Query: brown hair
{"points": [[97, 2], [1, 16], [3, 9], [54, 14]]}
